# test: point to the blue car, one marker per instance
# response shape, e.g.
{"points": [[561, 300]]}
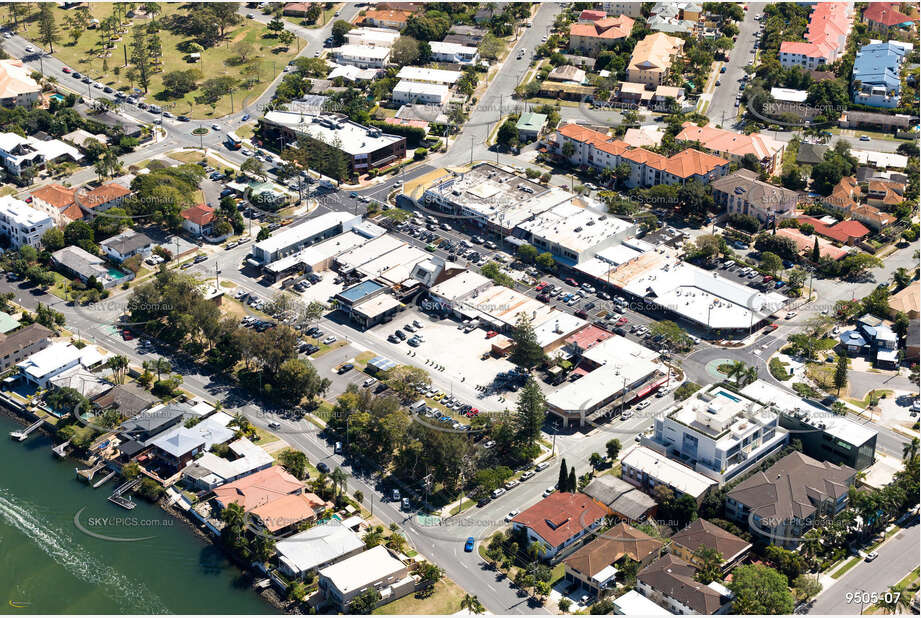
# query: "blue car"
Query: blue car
{"points": [[245, 117], [779, 285], [468, 546]]}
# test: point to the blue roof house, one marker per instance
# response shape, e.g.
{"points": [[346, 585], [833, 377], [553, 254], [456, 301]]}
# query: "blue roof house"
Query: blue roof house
{"points": [[876, 80]]}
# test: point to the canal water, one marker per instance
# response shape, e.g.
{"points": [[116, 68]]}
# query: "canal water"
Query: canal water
{"points": [[48, 565]]}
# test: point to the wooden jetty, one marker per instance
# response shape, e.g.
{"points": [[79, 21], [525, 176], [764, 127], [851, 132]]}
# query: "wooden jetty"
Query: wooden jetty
{"points": [[117, 498], [20, 436]]}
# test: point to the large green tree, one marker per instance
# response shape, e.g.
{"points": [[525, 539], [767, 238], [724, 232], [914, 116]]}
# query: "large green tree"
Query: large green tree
{"points": [[532, 410], [527, 352], [759, 589]]}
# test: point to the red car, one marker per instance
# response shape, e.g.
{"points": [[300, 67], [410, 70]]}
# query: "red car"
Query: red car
{"points": [[622, 321], [572, 282], [491, 334], [126, 335], [540, 286], [770, 328], [66, 70], [543, 298]]}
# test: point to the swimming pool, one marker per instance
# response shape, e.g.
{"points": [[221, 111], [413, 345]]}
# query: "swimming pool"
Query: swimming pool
{"points": [[116, 274], [58, 97], [729, 396]]}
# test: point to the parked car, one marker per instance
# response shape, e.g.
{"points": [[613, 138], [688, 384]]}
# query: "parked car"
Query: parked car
{"points": [[512, 515], [322, 467], [468, 545], [329, 340], [346, 368]]}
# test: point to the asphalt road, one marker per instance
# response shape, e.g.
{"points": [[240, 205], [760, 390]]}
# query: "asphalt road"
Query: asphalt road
{"points": [[897, 557], [722, 108]]}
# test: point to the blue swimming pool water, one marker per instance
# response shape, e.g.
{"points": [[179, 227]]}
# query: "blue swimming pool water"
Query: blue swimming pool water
{"points": [[729, 396], [116, 274]]}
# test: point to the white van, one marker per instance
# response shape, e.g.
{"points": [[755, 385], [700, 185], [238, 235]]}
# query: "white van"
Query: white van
{"points": [[418, 406]]}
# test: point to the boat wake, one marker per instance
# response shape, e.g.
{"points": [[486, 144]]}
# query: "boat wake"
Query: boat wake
{"points": [[130, 596]]}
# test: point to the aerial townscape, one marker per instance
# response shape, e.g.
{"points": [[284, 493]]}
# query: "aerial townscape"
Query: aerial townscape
{"points": [[443, 308]]}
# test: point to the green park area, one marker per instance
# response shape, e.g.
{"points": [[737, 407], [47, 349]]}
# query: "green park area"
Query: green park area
{"points": [[200, 60]]}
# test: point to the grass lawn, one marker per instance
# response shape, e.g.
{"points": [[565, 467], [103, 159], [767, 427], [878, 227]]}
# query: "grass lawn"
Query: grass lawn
{"points": [[361, 361], [557, 573], [194, 156], [850, 564], [264, 437], [59, 288], [911, 577], [444, 600], [865, 402], [8, 190], [246, 131], [465, 504], [217, 61], [324, 348]]}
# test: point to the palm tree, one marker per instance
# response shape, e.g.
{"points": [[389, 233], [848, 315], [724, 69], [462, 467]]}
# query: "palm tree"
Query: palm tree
{"points": [[749, 376], [339, 477], [895, 600], [472, 604], [736, 369], [233, 515], [910, 450], [902, 277]]}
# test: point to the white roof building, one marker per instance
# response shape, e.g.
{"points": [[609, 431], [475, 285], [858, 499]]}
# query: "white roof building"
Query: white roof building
{"points": [[210, 471], [882, 160], [430, 76], [453, 52], [363, 56], [318, 547], [574, 231], [350, 73], [372, 37], [789, 95], [16, 84], [419, 92], [297, 237], [350, 137], [18, 153], [635, 604], [21, 223], [621, 368], [375, 567], [54, 360], [646, 469]]}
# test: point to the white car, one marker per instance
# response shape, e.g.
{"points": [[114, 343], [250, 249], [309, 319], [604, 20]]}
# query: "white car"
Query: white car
{"points": [[329, 340], [791, 315], [549, 491], [512, 515], [29, 49], [216, 127], [643, 405]]}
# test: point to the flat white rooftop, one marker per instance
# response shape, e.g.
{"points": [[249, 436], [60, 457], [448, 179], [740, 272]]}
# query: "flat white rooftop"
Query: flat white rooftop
{"points": [[436, 76], [460, 285], [785, 401], [365, 568], [558, 324], [368, 252], [621, 363], [21, 213], [296, 233], [352, 137], [362, 52], [575, 225], [667, 471], [635, 604], [415, 89]]}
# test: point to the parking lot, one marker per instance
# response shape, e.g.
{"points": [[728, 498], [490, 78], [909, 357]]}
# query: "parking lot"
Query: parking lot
{"points": [[459, 353]]}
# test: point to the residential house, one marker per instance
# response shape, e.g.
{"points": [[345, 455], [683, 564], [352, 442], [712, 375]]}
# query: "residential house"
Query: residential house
{"points": [[210, 470], [669, 582], [151, 422], [882, 343], [743, 193], [76, 262], [826, 37], [652, 58], [296, 9], [594, 36], [178, 448], [529, 126], [40, 368], [122, 246], [362, 56], [23, 155], [387, 18], [595, 564], [700, 533], [22, 224], [409, 92], [674, 17], [372, 37], [559, 521], [635, 604], [625, 502], [57, 201], [429, 76], [881, 16], [286, 514], [876, 78], [781, 503], [16, 84], [127, 399], [805, 244], [567, 73], [845, 232], [844, 199], [197, 220], [103, 197], [647, 469], [630, 9], [23, 343], [886, 122], [80, 138], [811, 154], [666, 96], [591, 148], [885, 194], [907, 300], [453, 53], [316, 548], [734, 146], [376, 568]]}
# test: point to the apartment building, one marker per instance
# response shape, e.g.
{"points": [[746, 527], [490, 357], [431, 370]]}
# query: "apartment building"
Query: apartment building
{"points": [[595, 36], [21, 223], [647, 168], [16, 84], [424, 94], [876, 79], [453, 53], [741, 192], [362, 56], [58, 202], [826, 37], [735, 146], [652, 58]]}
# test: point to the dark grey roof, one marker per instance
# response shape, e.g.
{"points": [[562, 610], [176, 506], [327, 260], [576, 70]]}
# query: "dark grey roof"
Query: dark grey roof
{"points": [[674, 578], [745, 182], [130, 448], [811, 153], [793, 487], [129, 399], [153, 420], [80, 262], [701, 532], [622, 497], [11, 343], [128, 241]]}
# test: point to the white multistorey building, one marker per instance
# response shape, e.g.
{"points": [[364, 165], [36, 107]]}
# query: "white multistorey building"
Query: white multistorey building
{"points": [[372, 37], [718, 432], [21, 223], [429, 76], [453, 52], [362, 56], [422, 93]]}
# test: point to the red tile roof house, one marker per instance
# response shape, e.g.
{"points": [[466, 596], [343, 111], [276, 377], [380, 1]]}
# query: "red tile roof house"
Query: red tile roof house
{"points": [[102, 198], [592, 36], [844, 232], [845, 199], [559, 521], [197, 220], [805, 244], [880, 16], [57, 201]]}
